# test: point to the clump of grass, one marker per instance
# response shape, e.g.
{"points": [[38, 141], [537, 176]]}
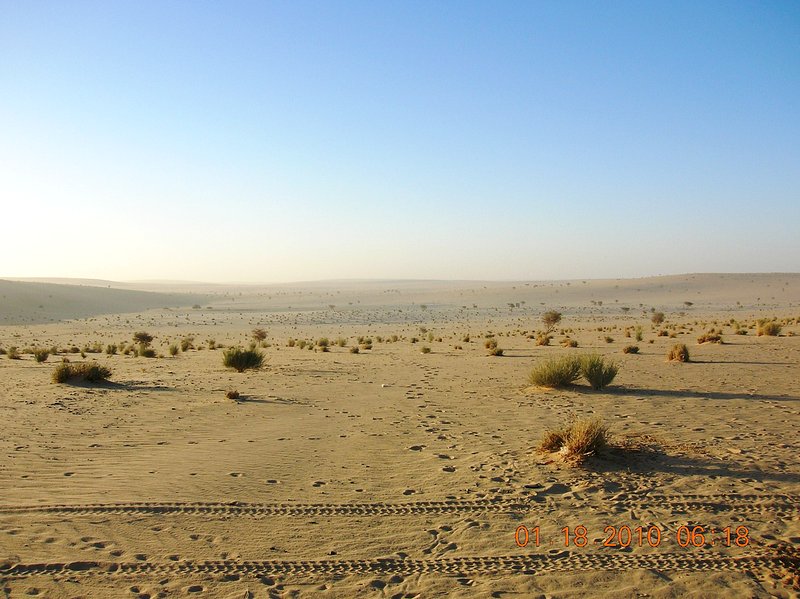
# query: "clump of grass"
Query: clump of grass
{"points": [[678, 353], [639, 334], [609, 339], [769, 328], [569, 342], [496, 351], [709, 338], [543, 339], [187, 343], [111, 349], [242, 359], [657, 318], [597, 371], [41, 355], [173, 350], [490, 343], [323, 342], [556, 372], [354, 349], [341, 342], [425, 349], [87, 371], [12, 353], [630, 349], [147, 352], [233, 394], [577, 442]]}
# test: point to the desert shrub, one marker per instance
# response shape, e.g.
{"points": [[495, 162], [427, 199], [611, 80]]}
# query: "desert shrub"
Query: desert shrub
{"points": [[341, 342], [657, 318], [187, 344], [569, 342], [709, 338], [425, 349], [553, 440], [147, 352], [302, 343], [630, 349], [41, 355], [767, 327], [496, 351], [259, 334], [556, 372], [291, 343], [543, 339], [143, 338], [639, 334], [173, 350], [578, 441], [597, 371], [608, 339], [490, 343], [2, 351], [465, 339], [550, 319], [111, 349], [394, 338], [323, 342], [741, 331], [233, 394], [13, 353], [242, 359], [678, 353], [88, 371], [354, 349], [366, 345]]}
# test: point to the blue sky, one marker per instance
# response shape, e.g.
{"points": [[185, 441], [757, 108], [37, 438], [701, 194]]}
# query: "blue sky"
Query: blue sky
{"points": [[281, 141]]}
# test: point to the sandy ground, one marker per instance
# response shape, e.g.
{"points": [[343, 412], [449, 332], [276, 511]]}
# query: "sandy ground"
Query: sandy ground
{"points": [[397, 473]]}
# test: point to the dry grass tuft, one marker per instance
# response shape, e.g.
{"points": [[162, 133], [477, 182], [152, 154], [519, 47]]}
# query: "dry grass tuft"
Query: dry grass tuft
{"points": [[678, 353], [88, 371], [597, 371], [242, 359], [579, 441], [769, 328]]}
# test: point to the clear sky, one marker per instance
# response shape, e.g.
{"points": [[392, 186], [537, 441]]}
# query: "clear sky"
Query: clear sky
{"points": [[282, 141]]}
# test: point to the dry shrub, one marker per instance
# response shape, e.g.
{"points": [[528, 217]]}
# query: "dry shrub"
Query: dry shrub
{"points": [[630, 349], [232, 394], [709, 338], [577, 442], [569, 342], [767, 327], [678, 353], [543, 339]]}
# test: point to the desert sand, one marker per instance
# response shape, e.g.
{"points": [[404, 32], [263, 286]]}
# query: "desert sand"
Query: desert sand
{"points": [[392, 472]]}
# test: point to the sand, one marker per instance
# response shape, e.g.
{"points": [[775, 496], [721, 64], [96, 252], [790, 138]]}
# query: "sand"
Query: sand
{"points": [[397, 473]]}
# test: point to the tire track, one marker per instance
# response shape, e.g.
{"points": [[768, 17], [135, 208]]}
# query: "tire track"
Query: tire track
{"points": [[737, 503], [474, 565]]}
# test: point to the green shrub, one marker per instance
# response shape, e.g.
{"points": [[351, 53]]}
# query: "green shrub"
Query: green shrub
{"points": [[88, 371], [556, 372], [241, 359], [41, 355], [550, 319], [597, 372]]}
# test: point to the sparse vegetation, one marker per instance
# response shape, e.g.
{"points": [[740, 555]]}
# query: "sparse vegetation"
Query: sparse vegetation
{"points": [[543, 339], [597, 371], [550, 320], [12, 353], [40, 355], [579, 441], [259, 335], [630, 349], [87, 371], [496, 351], [709, 337], [233, 394], [556, 372], [425, 349], [678, 353], [242, 359], [657, 318], [769, 328], [173, 350]]}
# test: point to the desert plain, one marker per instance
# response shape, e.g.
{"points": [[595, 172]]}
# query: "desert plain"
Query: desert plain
{"points": [[407, 469]]}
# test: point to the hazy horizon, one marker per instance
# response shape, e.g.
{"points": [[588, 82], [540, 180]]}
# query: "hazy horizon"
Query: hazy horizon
{"points": [[260, 143]]}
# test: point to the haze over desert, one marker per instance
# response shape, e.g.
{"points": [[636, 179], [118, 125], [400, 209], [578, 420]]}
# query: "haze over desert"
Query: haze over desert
{"points": [[400, 300]]}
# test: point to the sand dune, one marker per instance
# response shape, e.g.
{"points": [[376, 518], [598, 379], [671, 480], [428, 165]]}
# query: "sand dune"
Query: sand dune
{"points": [[397, 473]]}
